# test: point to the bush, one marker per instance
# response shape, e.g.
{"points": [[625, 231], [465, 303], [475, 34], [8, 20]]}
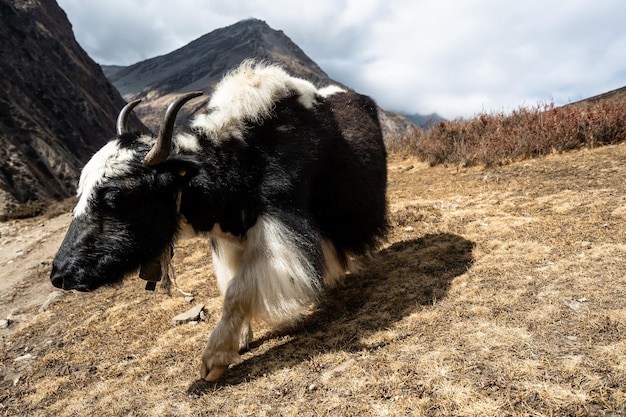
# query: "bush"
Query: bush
{"points": [[499, 138]]}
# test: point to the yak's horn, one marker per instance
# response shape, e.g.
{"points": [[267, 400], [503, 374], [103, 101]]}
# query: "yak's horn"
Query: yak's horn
{"points": [[161, 149], [122, 118]]}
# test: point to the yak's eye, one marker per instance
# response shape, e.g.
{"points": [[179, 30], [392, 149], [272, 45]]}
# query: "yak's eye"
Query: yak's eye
{"points": [[111, 199]]}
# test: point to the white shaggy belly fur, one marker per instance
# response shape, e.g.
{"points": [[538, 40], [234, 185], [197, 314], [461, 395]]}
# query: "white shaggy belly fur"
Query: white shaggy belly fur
{"points": [[265, 276]]}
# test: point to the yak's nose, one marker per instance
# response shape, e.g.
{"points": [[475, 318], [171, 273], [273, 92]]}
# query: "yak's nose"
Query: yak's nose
{"points": [[56, 277], [64, 280]]}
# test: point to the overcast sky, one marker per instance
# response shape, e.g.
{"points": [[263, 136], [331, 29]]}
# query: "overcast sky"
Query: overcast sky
{"points": [[454, 57]]}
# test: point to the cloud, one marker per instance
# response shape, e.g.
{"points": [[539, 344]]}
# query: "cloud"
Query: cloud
{"points": [[454, 58]]}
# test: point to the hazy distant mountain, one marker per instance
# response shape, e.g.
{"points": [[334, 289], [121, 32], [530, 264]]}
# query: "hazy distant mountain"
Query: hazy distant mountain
{"points": [[56, 105], [200, 64], [422, 121]]}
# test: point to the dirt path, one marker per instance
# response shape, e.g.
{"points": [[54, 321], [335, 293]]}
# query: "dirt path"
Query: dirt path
{"points": [[26, 251]]}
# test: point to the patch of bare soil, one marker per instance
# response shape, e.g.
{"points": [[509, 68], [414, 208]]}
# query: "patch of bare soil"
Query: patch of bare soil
{"points": [[500, 292], [26, 251]]}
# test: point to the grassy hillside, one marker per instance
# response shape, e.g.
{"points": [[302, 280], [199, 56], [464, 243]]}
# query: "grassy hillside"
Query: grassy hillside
{"points": [[500, 292]]}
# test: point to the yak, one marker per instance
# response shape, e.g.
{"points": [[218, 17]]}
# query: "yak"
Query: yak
{"points": [[287, 180]]}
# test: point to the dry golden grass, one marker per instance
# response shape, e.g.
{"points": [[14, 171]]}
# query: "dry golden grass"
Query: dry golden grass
{"points": [[501, 292]]}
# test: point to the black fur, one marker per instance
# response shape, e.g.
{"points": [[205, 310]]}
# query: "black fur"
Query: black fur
{"points": [[321, 171]]}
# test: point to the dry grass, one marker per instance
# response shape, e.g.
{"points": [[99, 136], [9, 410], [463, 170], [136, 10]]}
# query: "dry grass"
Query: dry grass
{"points": [[500, 293]]}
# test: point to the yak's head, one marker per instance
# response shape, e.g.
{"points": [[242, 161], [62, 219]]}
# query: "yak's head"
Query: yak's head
{"points": [[127, 209]]}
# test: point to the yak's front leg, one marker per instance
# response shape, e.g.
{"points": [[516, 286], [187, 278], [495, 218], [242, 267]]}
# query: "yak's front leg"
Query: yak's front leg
{"points": [[226, 340], [278, 277]]}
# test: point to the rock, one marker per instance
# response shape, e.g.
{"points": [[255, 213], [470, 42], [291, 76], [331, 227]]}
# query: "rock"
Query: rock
{"points": [[194, 314], [19, 318], [52, 298], [23, 358], [340, 369], [573, 305], [4, 324]]}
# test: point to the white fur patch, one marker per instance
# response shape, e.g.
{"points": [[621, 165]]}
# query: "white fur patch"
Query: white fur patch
{"points": [[250, 93], [110, 161], [226, 261], [267, 276], [186, 143], [330, 90]]}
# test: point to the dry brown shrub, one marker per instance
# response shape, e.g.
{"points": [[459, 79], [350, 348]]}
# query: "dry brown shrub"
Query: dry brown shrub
{"points": [[31, 208], [500, 138]]}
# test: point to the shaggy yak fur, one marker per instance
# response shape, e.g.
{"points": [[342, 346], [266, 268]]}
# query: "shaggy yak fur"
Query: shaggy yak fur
{"points": [[287, 180]]}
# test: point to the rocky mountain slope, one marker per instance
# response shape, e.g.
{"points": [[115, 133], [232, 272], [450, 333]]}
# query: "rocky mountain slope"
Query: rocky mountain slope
{"points": [[618, 94], [56, 106], [200, 64], [203, 61]]}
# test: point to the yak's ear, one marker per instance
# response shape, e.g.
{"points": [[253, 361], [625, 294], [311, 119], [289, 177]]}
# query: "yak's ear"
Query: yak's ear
{"points": [[179, 168]]}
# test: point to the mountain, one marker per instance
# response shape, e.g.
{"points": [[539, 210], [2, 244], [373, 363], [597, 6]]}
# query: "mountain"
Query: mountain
{"points": [[618, 94], [394, 124], [425, 122], [56, 105], [200, 64], [205, 60]]}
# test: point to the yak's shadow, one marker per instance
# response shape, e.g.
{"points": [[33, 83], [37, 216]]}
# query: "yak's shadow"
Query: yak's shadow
{"points": [[392, 284]]}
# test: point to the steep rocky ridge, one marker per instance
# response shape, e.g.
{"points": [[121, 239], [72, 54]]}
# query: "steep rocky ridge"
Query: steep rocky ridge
{"points": [[56, 105], [204, 61]]}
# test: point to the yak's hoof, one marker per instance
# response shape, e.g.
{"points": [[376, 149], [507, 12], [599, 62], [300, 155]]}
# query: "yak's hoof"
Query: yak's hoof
{"points": [[213, 374]]}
